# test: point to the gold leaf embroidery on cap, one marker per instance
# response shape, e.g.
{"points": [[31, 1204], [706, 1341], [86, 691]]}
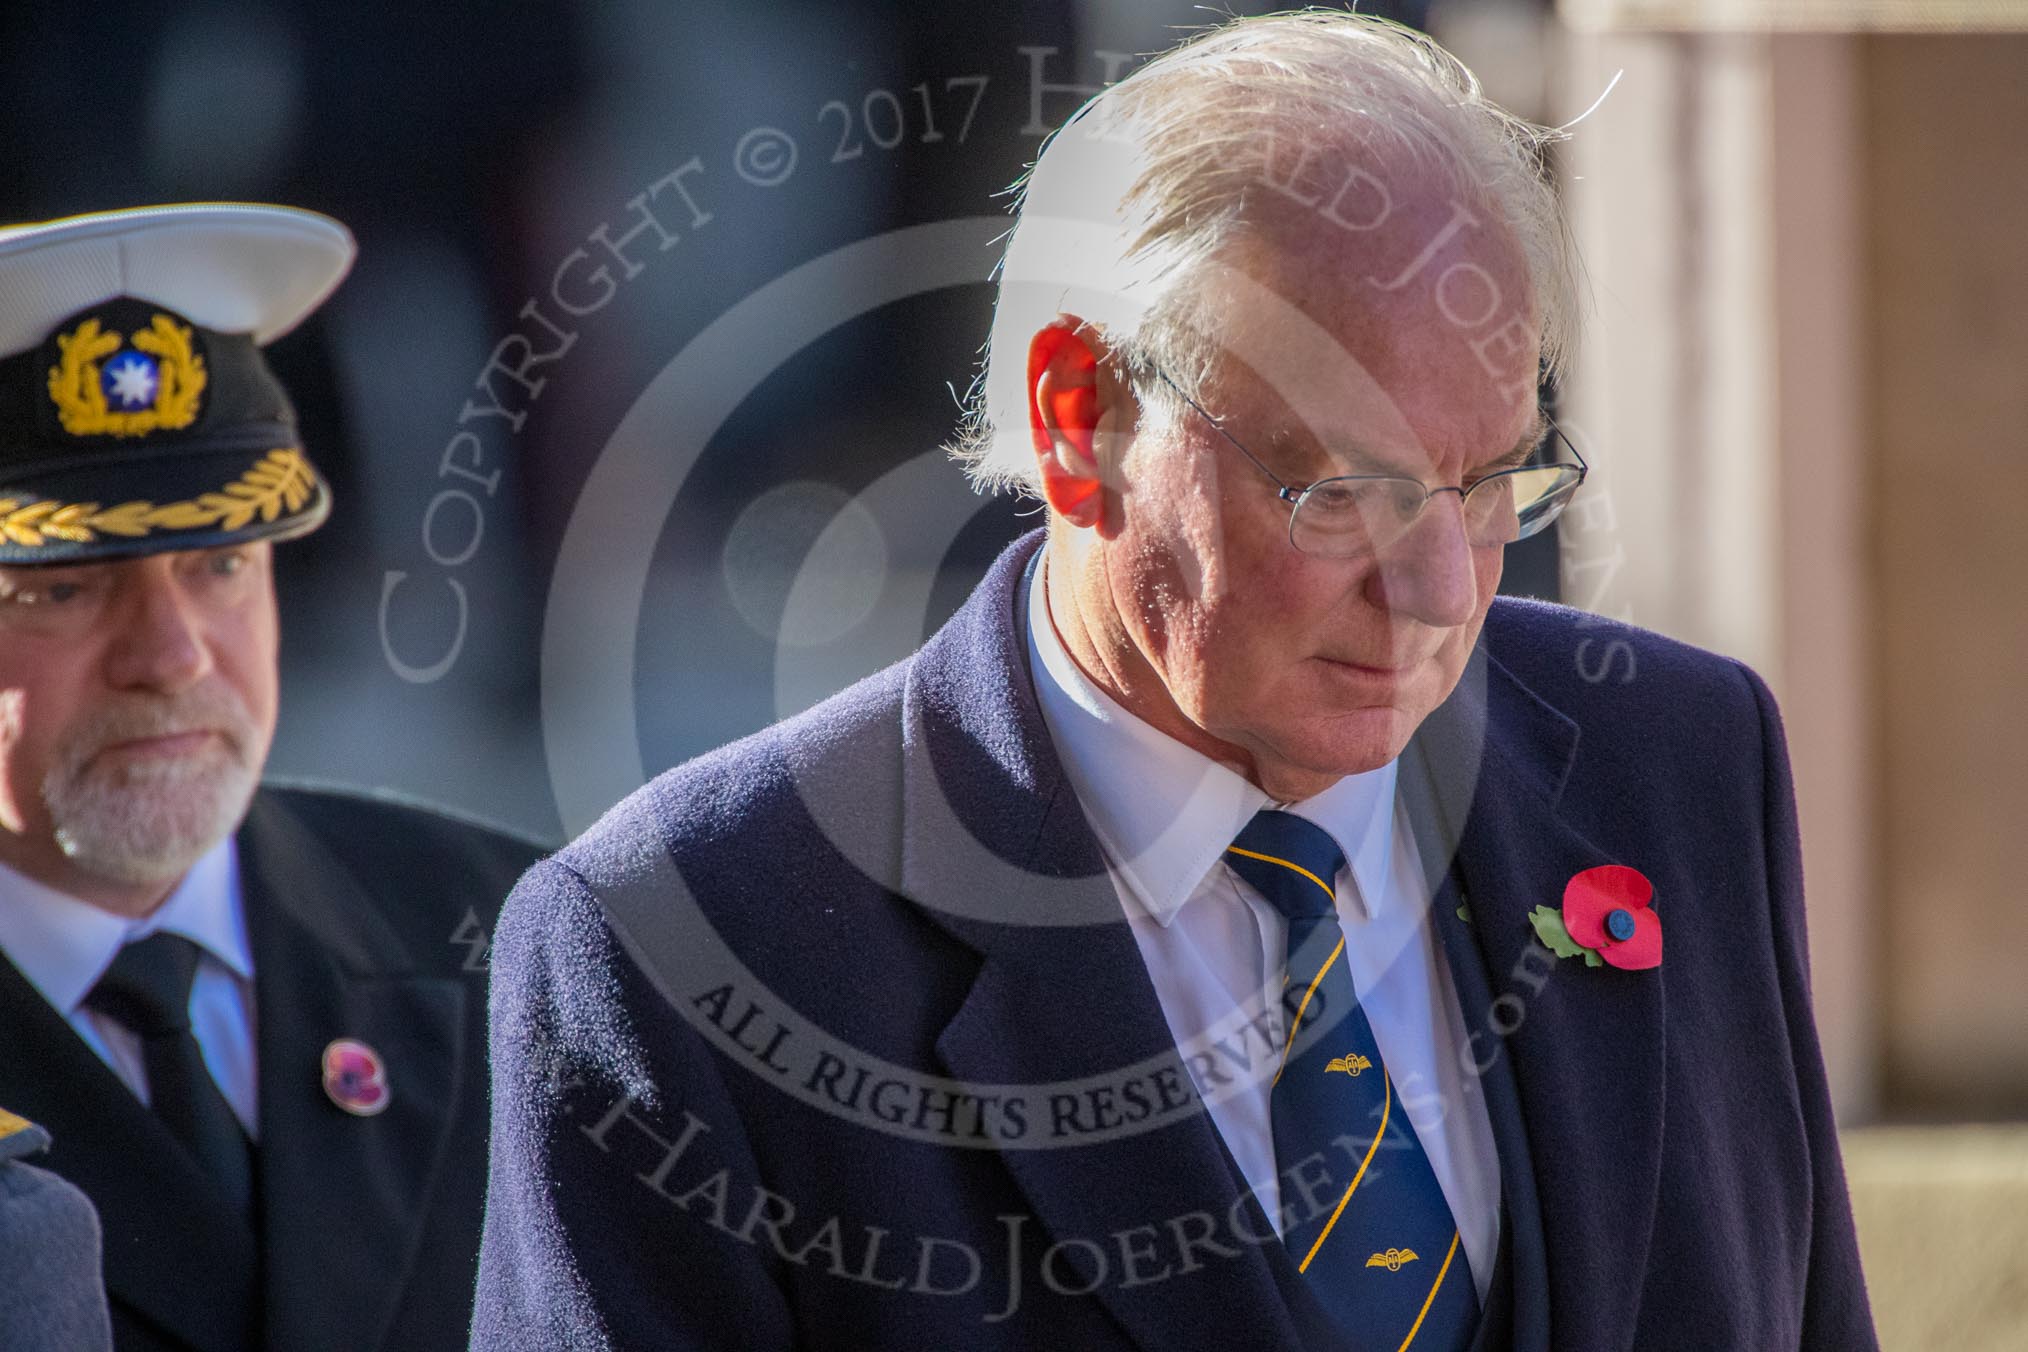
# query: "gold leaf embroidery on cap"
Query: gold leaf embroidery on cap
{"points": [[282, 481]]}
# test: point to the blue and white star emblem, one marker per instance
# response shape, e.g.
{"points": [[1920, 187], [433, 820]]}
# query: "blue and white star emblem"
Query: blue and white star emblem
{"points": [[129, 381]]}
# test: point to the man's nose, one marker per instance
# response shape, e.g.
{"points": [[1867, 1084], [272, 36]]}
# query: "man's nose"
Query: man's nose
{"points": [[1430, 573], [160, 643]]}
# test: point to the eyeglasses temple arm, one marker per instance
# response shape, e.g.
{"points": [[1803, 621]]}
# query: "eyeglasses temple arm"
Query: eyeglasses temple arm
{"points": [[1583, 467], [1285, 493]]}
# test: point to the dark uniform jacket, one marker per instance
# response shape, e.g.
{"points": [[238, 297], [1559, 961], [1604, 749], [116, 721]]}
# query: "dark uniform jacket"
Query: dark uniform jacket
{"points": [[367, 1227], [837, 1038]]}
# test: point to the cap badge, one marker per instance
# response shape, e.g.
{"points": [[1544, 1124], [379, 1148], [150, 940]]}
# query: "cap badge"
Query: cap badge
{"points": [[103, 386], [354, 1077]]}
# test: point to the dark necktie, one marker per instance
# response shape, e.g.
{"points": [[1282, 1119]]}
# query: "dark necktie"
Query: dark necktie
{"points": [[1364, 1217], [147, 989]]}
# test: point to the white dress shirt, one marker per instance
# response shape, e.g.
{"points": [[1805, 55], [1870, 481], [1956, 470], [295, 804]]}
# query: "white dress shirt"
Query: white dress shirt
{"points": [[63, 946], [1163, 814]]}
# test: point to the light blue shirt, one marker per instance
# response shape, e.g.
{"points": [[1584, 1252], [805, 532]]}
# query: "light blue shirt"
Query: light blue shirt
{"points": [[64, 945], [1163, 814]]}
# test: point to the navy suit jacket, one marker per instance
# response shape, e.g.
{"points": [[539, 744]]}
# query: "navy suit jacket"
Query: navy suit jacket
{"points": [[836, 1037]]}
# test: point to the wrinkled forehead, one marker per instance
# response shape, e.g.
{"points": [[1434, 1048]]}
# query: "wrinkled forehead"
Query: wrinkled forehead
{"points": [[1421, 331]]}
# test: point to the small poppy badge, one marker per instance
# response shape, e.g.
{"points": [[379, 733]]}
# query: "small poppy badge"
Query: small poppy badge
{"points": [[1607, 918], [354, 1077]]}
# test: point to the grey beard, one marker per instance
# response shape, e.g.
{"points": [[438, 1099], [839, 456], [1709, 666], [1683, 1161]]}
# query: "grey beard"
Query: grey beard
{"points": [[149, 821]]}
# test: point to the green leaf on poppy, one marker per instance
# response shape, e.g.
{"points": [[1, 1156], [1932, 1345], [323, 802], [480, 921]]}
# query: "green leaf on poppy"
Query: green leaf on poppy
{"points": [[1549, 928], [1464, 913]]}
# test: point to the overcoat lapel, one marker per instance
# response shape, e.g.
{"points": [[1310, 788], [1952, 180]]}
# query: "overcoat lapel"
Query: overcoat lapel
{"points": [[1051, 1006], [343, 1197], [996, 848], [176, 1253], [1585, 1044]]}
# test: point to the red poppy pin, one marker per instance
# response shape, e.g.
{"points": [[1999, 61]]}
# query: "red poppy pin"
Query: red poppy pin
{"points": [[1606, 918], [355, 1078]]}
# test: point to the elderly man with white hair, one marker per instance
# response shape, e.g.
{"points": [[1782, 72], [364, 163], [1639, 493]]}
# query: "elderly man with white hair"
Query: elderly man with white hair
{"points": [[1235, 928]]}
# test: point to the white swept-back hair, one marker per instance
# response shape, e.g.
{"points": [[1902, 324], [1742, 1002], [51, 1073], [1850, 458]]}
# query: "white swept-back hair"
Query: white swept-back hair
{"points": [[1157, 175]]}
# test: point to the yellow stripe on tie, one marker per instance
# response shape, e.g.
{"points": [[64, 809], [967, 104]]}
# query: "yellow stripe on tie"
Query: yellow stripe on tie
{"points": [[1430, 1299], [1386, 1106], [1270, 859], [1290, 1040]]}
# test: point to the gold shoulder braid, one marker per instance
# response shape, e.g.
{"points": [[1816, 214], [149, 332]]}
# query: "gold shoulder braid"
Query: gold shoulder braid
{"points": [[281, 481], [74, 382]]}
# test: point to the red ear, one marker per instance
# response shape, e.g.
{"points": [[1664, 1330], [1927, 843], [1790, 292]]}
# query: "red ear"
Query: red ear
{"points": [[1074, 407], [1072, 413]]}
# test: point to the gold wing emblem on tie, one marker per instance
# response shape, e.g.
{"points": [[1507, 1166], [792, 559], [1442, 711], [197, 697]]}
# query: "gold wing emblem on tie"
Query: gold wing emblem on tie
{"points": [[1351, 1065], [1392, 1259]]}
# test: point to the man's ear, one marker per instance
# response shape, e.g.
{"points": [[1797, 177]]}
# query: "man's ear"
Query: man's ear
{"points": [[1069, 391]]}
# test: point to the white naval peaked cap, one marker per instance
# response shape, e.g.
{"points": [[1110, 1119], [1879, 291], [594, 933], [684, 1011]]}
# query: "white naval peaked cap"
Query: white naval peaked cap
{"points": [[233, 267]]}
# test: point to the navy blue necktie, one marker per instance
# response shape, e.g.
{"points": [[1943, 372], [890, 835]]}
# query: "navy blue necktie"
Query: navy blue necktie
{"points": [[148, 989], [1363, 1215]]}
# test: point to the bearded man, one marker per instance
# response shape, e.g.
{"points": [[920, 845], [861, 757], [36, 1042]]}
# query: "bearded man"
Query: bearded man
{"points": [[238, 1011]]}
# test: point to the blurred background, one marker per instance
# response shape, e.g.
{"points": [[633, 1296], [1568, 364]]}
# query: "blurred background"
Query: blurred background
{"points": [[633, 403]]}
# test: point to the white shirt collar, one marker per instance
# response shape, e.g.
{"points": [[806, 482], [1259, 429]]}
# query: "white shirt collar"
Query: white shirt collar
{"points": [[1164, 812], [64, 945]]}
